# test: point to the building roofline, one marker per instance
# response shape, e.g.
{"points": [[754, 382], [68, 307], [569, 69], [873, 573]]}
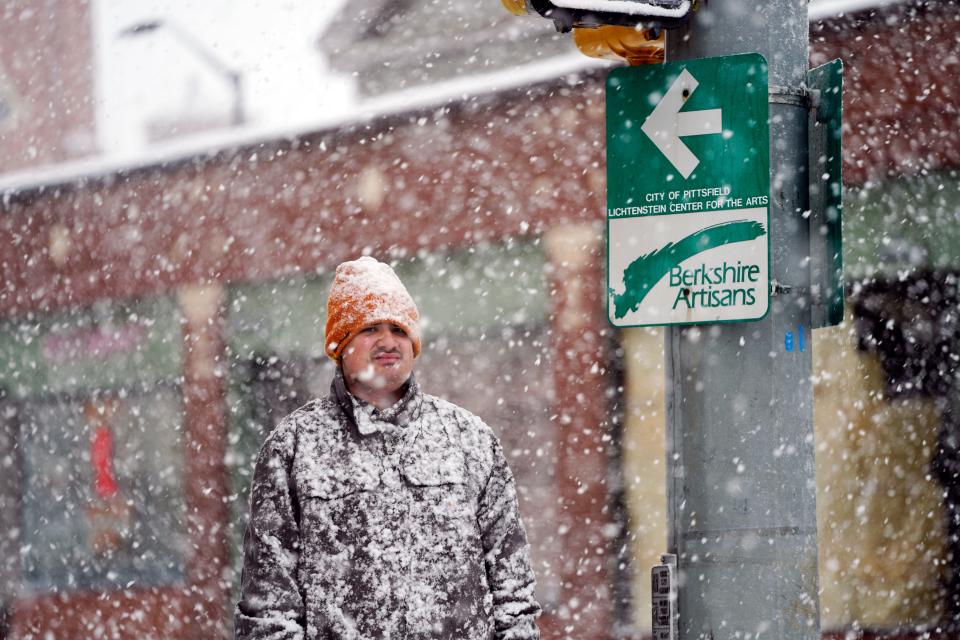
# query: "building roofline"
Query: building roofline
{"points": [[829, 9], [207, 146]]}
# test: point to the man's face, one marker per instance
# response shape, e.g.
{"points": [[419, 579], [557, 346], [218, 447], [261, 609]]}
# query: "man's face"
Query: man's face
{"points": [[378, 358]]}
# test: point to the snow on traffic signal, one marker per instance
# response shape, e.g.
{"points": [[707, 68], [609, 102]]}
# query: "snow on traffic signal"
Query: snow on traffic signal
{"points": [[567, 14]]}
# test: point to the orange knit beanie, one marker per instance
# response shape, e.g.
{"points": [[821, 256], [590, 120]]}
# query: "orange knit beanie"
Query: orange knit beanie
{"points": [[366, 292]]}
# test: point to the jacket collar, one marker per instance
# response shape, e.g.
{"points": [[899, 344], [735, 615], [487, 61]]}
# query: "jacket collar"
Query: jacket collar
{"points": [[367, 420]]}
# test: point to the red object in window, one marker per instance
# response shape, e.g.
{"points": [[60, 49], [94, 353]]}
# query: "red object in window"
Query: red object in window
{"points": [[101, 457]]}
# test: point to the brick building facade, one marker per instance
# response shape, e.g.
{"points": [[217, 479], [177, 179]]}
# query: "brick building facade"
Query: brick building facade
{"points": [[47, 112], [158, 319]]}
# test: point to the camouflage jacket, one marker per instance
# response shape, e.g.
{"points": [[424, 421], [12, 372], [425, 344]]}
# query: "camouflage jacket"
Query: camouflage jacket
{"points": [[394, 524]]}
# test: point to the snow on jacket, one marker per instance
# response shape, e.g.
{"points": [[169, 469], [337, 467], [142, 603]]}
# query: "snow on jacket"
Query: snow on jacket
{"points": [[399, 524]]}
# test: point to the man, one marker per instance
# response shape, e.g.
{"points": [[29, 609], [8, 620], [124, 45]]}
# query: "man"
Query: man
{"points": [[380, 511]]}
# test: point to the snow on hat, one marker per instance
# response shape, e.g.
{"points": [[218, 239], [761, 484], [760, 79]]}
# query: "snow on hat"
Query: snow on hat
{"points": [[366, 292]]}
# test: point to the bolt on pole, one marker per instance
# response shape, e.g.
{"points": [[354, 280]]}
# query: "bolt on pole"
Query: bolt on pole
{"points": [[740, 460]]}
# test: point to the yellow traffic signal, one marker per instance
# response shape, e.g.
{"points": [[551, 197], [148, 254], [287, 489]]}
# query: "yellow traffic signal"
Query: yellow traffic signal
{"points": [[516, 7], [635, 46]]}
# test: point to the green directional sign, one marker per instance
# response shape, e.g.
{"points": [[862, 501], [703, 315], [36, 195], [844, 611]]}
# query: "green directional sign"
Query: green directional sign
{"points": [[688, 192], [825, 133]]}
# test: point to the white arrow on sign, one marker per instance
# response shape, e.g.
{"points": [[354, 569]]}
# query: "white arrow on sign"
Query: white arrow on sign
{"points": [[667, 124]]}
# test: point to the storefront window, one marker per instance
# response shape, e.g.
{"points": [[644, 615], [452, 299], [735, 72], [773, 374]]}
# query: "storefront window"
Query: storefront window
{"points": [[93, 403]]}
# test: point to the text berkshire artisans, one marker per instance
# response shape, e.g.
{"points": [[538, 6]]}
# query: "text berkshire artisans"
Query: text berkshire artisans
{"points": [[724, 285]]}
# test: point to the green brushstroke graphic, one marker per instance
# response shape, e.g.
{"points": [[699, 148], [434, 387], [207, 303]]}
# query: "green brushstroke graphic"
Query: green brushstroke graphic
{"points": [[646, 271]]}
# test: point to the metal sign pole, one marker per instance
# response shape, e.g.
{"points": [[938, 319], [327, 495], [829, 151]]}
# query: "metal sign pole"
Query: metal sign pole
{"points": [[741, 489]]}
